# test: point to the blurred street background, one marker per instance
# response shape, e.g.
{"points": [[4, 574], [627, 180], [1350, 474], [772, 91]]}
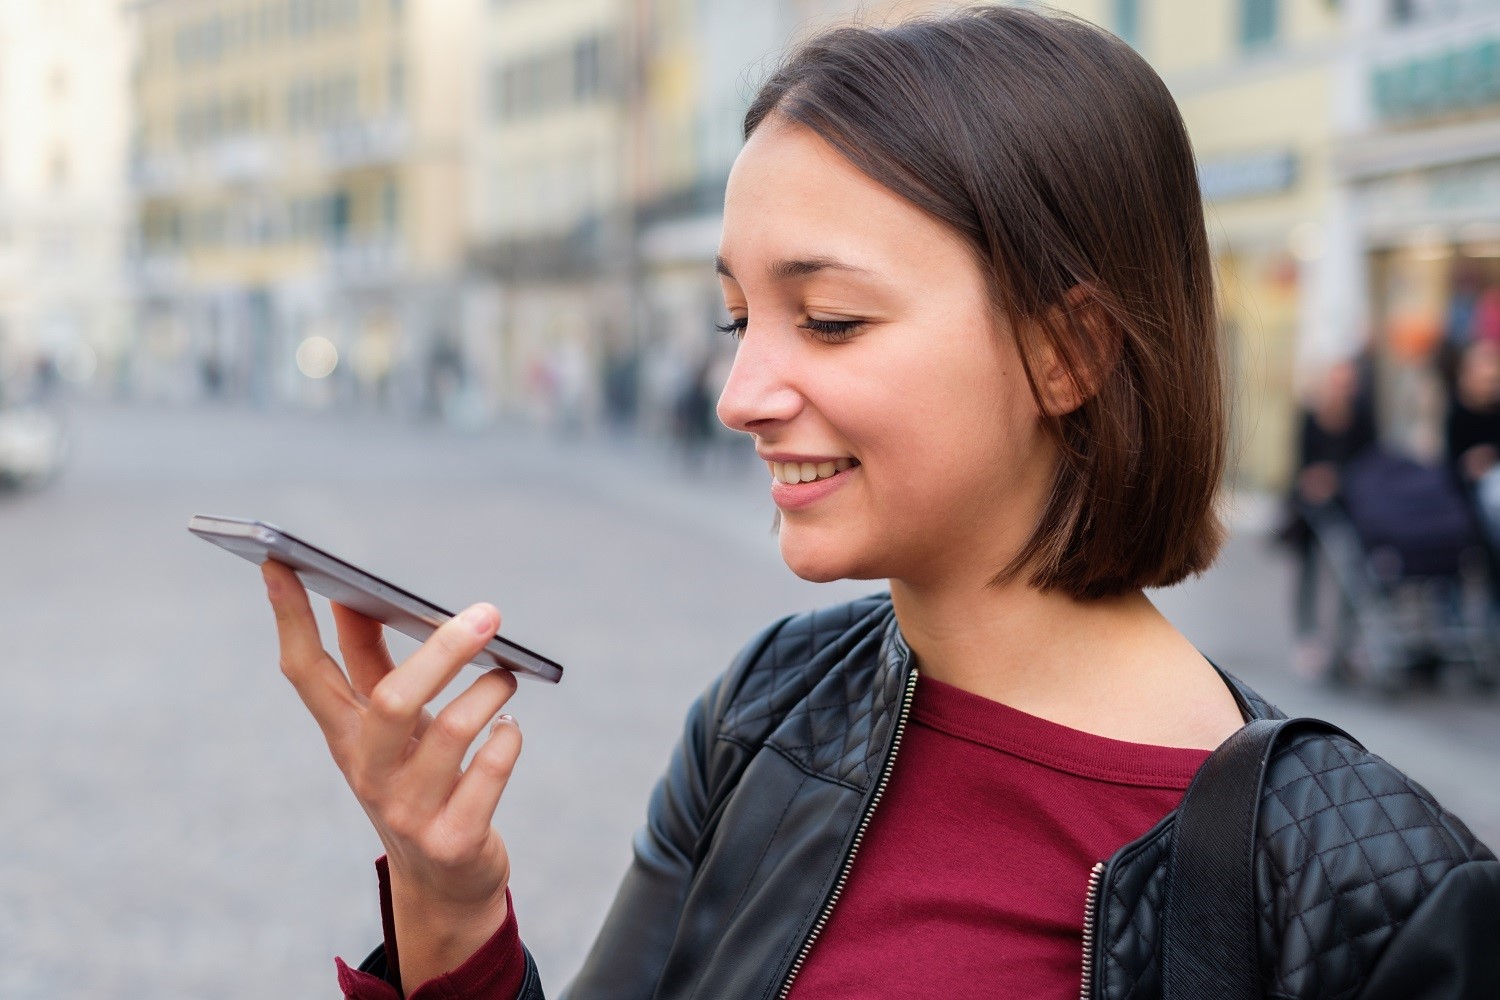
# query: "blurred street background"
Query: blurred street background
{"points": [[430, 282], [173, 826]]}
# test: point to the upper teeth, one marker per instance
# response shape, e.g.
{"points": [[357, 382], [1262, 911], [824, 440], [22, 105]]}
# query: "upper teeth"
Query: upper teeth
{"points": [[793, 473]]}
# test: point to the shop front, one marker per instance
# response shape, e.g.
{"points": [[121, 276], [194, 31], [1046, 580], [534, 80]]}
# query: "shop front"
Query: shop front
{"points": [[1432, 257]]}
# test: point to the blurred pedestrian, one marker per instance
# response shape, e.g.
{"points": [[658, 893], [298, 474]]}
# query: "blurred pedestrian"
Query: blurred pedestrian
{"points": [[967, 264], [1473, 432], [1335, 427], [695, 414], [1473, 423]]}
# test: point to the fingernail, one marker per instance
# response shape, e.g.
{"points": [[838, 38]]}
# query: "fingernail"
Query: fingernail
{"points": [[480, 620]]}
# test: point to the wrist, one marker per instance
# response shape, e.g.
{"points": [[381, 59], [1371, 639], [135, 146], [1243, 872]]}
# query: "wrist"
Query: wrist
{"points": [[434, 935]]}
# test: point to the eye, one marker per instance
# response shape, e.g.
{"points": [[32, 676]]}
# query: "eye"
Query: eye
{"points": [[832, 331], [734, 328]]}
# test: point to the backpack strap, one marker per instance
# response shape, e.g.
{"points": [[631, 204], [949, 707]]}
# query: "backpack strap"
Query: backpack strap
{"points": [[1209, 934]]}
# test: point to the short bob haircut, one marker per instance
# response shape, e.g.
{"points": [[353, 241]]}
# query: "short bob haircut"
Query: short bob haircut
{"points": [[1061, 158]]}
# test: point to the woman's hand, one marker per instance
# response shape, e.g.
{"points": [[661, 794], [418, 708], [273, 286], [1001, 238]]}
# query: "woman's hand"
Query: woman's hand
{"points": [[448, 865]]}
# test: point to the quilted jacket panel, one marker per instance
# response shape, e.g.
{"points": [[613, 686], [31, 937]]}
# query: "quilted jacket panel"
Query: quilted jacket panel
{"points": [[1349, 846]]}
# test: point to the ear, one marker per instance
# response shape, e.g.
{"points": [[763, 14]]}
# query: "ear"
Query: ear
{"points": [[1074, 360]]}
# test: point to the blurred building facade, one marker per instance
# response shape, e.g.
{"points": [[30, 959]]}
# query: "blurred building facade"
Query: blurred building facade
{"points": [[703, 63], [1417, 176], [552, 240], [299, 177], [513, 205], [1256, 84], [607, 134], [1348, 159], [63, 137]]}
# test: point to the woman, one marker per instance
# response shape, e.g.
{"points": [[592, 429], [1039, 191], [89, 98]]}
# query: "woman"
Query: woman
{"points": [[967, 264]]}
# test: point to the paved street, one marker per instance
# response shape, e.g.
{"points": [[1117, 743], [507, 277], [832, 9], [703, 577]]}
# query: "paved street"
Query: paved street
{"points": [[173, 827]]}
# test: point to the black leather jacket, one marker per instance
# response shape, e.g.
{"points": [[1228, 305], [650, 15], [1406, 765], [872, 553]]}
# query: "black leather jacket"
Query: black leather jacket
{"points": [[1367, 888]]}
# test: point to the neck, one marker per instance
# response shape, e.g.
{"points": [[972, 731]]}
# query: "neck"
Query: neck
{"points": [[1113, 666]]}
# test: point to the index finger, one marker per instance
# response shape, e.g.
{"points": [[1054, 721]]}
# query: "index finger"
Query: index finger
{"points": [[317, 678]]}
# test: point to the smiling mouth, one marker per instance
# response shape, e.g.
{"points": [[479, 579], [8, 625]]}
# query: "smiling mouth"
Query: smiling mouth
{"points": [[792, 473]]}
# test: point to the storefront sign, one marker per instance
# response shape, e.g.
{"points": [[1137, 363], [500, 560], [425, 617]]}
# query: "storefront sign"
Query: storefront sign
{"points": [[1457, 193], [1452, 80]]}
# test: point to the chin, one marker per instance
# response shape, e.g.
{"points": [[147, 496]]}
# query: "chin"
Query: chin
{"points": [[823, 560]]}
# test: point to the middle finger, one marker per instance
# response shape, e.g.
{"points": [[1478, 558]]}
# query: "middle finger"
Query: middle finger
{"points": [[397, 702]]}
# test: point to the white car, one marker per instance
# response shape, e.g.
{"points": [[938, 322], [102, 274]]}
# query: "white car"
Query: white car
{"points": [[32, 445]]}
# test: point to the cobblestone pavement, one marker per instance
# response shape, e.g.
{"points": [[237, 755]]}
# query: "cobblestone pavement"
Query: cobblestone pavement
{"points": [[172, 825]]}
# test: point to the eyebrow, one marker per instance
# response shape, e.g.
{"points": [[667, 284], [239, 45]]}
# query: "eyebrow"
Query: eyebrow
{"points": [[799, 267]]}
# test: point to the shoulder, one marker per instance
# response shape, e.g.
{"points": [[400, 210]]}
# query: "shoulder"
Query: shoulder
{"points": [[782, 664], [1350, 847]]}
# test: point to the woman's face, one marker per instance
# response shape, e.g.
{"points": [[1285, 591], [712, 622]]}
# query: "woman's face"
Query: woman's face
{"points": [[871, 362]]}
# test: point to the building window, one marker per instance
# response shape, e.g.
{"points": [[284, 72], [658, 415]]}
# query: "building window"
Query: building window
{"points": [[396, 84], [1258, 23], [1127, 21], [587, 71], [298, 18], [578, 74], [499, 90], [340, 215], [390, 207], [58, 168]]}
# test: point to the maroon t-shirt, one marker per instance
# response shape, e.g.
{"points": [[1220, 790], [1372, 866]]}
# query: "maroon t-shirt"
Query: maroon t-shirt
{"points": [[972, 877]]}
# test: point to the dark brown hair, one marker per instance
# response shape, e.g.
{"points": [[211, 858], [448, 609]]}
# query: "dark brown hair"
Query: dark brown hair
{"points": [[1060, 156]]}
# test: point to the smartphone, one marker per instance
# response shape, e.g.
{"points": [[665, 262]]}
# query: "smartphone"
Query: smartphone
{"points": [[359, 590]]}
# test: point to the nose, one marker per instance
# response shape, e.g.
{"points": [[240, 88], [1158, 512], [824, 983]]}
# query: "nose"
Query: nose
{"points": [[758, 393]]}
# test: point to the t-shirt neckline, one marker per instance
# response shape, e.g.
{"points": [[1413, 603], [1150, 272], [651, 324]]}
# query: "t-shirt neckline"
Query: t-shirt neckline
{"points": [[991, 724]]}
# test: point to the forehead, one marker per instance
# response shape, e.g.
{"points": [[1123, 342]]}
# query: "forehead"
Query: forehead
{"points": [[791, 194]]}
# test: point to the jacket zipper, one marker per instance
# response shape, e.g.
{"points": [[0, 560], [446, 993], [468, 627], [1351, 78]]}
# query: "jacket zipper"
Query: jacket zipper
{"points": [[1090, 930], [859, 836]]}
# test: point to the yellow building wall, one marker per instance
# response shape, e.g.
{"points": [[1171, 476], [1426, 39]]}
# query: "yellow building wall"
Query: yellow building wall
{"points": [[428, 44], [543, 174]]}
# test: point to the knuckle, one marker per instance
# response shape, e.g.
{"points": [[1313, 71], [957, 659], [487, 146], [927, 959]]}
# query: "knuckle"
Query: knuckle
{"points": [[450, 728], [386, 702], [496, 760]]}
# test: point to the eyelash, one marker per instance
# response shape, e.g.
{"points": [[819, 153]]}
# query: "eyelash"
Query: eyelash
{"points": [[830, 331]]}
